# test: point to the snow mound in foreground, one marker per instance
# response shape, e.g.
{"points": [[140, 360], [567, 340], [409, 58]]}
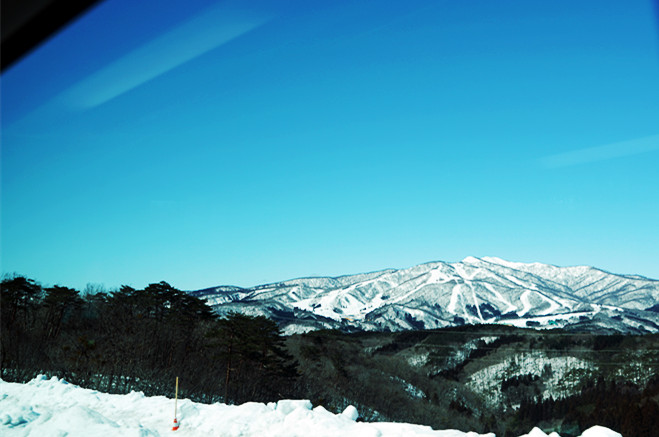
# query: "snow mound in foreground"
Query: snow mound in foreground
{"points": [[52, 407]]}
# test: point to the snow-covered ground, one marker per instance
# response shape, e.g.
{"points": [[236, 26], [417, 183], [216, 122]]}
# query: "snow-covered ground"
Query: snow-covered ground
{"points": [[51, 407]]}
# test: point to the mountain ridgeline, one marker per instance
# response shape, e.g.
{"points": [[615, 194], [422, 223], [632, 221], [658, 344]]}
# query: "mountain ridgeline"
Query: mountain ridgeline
{"points": [[440, 294]]}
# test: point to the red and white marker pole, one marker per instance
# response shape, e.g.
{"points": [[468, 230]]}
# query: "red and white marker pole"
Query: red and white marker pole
{"points": [[175, 427]]}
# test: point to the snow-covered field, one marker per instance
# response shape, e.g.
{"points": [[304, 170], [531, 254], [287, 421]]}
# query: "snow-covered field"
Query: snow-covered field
{"points": [[51, 407]]}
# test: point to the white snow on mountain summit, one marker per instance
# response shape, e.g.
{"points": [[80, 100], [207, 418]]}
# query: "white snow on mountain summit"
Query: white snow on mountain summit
{"points": [[439, 294], [51, 407]]}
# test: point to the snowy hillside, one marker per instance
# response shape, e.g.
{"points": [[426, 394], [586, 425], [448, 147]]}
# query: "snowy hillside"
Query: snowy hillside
{"points": [[52, 407], [439, 294]]}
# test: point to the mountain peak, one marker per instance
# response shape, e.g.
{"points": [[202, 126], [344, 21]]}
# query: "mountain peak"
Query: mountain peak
{"points": [[439, 294]]}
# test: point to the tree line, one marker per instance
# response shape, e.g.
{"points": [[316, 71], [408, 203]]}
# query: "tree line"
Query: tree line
{"points": [[132, 339], [625, 407]]}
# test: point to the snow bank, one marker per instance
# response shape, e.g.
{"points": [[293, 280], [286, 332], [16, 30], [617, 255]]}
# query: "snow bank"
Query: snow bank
{"points": [[599, 431], [595, 431], [537, 432], [52, 407]]}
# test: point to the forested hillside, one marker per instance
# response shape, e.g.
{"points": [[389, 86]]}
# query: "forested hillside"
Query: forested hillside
{"points": [[141, 340], [487, 378], [482, 377]]}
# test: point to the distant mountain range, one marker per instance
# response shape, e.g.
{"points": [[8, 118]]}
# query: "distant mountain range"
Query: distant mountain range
{"points": [[437, 294]]}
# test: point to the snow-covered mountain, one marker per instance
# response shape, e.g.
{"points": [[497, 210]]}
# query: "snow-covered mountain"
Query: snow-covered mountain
{"points": [[439, 294]]}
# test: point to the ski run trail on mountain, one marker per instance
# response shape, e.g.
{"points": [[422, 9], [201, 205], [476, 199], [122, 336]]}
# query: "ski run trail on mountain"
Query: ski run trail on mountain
{"points": [[52, 407], [438, 294]]}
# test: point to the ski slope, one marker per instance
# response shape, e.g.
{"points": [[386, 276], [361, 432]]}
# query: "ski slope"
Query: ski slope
{"points": [[52, 407], [439, 294]]}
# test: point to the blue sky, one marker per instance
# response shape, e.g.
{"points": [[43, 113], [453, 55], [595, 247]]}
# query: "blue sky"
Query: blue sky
{"points": [[249, 142]]}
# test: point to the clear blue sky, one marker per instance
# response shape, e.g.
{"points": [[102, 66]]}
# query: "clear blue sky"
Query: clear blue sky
{"points": [[246, 142]]}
